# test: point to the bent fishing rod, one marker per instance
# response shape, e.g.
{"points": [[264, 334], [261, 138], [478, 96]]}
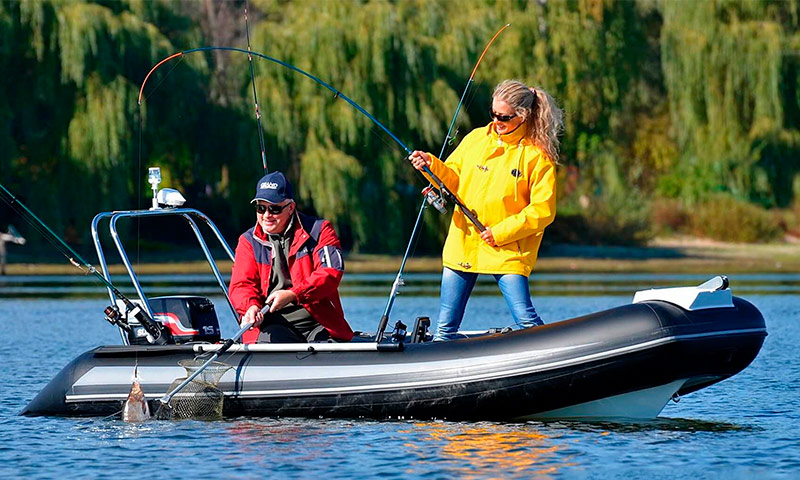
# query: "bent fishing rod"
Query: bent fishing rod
{"points": [[398, 281], [154, 330], [445, 192]]}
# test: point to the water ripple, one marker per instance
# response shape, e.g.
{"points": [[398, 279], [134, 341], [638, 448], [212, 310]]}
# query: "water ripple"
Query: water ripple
{"points": [[743, 427]]}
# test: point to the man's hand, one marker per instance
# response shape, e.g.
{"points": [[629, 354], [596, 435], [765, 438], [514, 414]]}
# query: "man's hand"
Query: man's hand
{"points": [[280, 298], [253, 315]]}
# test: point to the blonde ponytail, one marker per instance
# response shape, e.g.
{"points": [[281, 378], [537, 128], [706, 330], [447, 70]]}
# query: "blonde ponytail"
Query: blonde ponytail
{"points": [[543, 119]]}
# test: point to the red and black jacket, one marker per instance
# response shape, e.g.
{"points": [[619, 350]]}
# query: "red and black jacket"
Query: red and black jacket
{"points": [[316, 267]]}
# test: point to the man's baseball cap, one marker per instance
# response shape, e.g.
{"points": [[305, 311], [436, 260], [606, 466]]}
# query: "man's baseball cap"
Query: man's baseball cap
{"points": [[273, 188]]}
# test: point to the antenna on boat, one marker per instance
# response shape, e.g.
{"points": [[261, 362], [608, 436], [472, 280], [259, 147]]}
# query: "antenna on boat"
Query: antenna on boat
{"points": [[155, 333], [429, 196]]}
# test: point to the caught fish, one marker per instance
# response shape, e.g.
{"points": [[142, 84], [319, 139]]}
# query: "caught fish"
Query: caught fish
{"points": [[135, 408]]}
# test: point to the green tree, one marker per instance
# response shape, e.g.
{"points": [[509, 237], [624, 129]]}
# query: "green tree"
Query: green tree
{"points": [[731, 76]]}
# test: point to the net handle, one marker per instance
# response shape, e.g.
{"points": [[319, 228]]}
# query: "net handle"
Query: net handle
{"points": [[228, 343]]}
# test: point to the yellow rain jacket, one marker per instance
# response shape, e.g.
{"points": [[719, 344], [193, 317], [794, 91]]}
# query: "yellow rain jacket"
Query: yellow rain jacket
{"points": [[510, 184]]}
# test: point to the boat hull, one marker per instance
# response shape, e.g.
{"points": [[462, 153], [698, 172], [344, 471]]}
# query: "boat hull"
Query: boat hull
{"points": [[624, 362]]}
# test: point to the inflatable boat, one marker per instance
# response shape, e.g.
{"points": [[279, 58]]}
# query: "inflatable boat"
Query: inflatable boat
{"points": [[628, 361]]}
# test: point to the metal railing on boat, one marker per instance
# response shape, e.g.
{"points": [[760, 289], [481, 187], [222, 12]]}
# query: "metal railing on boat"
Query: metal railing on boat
{"points": [[187, 214]]}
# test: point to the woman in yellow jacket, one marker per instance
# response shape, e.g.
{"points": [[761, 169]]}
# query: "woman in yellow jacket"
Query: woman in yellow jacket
{"points": [[505, 173]]}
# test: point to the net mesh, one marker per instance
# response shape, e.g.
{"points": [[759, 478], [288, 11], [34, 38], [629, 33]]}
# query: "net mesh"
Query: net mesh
{"points": [[202, 397]]}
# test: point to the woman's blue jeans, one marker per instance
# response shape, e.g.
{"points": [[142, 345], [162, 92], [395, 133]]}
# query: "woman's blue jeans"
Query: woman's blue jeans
{"points": [[456, 288]]}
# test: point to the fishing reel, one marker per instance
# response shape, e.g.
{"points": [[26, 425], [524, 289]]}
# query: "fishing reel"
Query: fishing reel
{"points": [[114, 317], [434, 199], [139, 327]]}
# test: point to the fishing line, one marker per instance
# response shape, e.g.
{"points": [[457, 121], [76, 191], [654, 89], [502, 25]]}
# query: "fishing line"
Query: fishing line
{"points": [[114, 416], [138, 177], [139, 194], [255, 95], [337, 94], [154, 330], [101, 419]]}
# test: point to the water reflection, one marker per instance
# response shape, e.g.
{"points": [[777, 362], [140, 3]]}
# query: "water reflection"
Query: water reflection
{"points": [[476, 450], [280, 438], [457, 450]]}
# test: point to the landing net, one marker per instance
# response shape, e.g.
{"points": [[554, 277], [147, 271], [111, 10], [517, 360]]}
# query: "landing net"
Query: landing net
{"points": [[202, 397]]}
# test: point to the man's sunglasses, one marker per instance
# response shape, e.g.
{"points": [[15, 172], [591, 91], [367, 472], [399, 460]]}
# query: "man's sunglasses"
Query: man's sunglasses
{"points": [[501, 118], [273, 209]]}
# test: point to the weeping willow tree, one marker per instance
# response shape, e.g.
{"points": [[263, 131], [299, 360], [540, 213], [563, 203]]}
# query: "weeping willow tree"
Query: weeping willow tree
{"points": [[597, 58], [69, 109], [68, 106], [391, 58], [407, 62], [671, 98], [730, 70]]}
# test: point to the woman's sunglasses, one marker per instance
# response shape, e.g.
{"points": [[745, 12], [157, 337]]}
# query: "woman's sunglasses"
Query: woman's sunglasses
{"points": [[273, 209], [501, 118]]}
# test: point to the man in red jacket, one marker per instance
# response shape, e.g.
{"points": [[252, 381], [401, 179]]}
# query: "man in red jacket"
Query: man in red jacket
{"points": [[292, 261]]}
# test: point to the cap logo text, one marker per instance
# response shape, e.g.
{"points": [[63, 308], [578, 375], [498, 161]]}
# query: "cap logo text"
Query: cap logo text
{"points": [[268, 186]]}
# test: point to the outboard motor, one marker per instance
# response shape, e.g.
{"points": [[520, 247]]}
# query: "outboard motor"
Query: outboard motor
{"points": [[188, 319]]}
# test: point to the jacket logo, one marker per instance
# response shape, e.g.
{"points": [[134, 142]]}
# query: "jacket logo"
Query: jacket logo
{"points": [[268, 186], [482, 168], [466, 265], [516, 173]]}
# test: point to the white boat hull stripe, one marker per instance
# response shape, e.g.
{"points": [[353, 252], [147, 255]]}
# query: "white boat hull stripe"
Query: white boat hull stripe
{"points": [[99, 376]]}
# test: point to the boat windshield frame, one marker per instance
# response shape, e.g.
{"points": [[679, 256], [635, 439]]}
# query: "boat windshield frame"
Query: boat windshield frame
{"points": [[188, 214]]}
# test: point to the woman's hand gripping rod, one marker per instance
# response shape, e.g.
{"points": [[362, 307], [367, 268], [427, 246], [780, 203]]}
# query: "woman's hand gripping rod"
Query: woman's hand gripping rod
{"points": [[422, 161]]}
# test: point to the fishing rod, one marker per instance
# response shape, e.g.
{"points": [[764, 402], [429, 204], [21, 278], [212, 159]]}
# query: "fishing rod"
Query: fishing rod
{"points": [[255, 95], [398, 281], [154, 331], [437, 182]]}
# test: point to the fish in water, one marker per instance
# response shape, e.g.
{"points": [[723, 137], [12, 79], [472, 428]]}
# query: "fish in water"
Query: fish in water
{"points": [[135, 408]]}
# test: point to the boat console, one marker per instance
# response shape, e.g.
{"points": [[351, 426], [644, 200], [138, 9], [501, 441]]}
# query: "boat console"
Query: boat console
{"points": [[715, 293]]}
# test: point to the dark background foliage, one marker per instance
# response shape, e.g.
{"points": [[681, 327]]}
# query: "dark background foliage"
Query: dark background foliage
{"points": [[681, 117]]}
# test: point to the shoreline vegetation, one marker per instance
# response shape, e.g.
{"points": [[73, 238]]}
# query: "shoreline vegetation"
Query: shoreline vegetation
{"points": [[664, 255], [683, 118]]}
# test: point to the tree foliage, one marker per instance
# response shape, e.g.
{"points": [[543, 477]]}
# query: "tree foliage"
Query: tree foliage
{"points": [[663, 99], [728, 67]]}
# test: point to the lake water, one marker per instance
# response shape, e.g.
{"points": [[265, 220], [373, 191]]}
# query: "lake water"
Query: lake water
{"points": [[744, 427]]}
